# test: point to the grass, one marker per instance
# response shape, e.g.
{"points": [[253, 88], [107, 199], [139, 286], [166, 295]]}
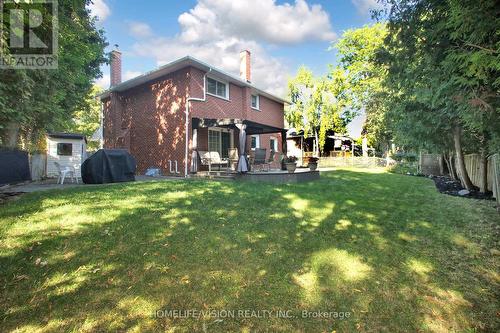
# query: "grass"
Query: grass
{"points": [[387, 248]]}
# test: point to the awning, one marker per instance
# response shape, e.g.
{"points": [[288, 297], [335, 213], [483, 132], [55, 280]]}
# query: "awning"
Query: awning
{"points": [[251, 126]]}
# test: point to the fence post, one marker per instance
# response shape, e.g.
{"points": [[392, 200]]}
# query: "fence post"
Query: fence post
{"points": [[419, 167], [352, 154]]}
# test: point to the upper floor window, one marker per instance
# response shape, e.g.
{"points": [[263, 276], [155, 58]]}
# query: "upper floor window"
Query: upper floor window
{"points": [[255, 102], [217, 88]]}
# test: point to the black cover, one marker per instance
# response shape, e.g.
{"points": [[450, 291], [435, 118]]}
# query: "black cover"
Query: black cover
{"points": [[14, 166], [109, 166]]}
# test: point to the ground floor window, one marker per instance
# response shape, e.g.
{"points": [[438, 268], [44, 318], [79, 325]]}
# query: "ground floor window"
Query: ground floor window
{"points": [[220, 140], [273, 144], [255, 143]]}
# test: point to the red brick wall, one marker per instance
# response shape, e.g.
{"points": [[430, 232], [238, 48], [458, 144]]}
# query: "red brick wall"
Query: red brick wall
{"points": [[238, 105], [153, 115], [265, 142], [149, 120]]}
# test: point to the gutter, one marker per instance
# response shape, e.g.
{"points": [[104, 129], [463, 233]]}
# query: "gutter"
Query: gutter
{"points": [[186, 129]]}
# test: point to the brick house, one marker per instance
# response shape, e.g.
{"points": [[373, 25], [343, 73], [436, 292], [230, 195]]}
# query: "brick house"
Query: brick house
{"points": [[164, 117]]}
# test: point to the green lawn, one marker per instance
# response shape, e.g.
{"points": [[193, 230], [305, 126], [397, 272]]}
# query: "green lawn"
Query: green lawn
{"points": [[387, 248]]}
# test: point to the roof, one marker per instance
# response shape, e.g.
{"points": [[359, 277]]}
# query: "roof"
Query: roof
{"points": [[293, 133], [182, 63], [341, 137], [73, 136]]}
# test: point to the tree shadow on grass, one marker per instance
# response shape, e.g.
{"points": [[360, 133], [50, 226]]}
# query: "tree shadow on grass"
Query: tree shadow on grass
{"points": [[357, 242]]}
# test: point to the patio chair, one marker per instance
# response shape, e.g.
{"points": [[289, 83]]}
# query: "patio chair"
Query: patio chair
{"points": [[64, 171], [233, 158], [259, 159], [210, 158]]}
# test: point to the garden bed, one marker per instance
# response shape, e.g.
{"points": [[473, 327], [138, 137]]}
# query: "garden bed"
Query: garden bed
{"points": [[446, 185]]}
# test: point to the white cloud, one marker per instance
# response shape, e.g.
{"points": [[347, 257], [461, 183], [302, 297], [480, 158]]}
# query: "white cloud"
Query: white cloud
{"points": [[256, 20], [364, 6], [267, 72], [100, 9], [140, 29], [130, 75], [215, 31], [104, 81]]}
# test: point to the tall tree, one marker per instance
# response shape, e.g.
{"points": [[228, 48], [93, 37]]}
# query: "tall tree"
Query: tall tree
{"points": [[443, 57], [317, 105], [364, 77], [35, 101], [88, 119]]}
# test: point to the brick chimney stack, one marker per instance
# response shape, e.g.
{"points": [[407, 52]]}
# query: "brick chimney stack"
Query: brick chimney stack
{"points": [[116, 67], [245, 65]]}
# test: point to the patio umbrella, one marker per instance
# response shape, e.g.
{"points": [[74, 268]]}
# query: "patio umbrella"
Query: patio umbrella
{"points": [[194, 156], [242, 163]]}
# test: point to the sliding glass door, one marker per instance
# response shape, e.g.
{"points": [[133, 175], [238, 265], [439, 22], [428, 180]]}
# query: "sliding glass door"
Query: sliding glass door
{"points": [[220, 140]]}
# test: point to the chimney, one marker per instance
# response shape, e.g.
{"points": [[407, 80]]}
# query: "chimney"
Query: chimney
{"points": [[116, 67], [245, 65]]}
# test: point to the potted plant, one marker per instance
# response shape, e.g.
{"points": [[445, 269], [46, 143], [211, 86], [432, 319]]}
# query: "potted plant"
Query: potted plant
{"points": [[290, 163], [312, 163]]}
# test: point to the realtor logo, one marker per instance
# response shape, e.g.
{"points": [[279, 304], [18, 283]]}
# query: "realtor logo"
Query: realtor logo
{"points": [[28, 34]]}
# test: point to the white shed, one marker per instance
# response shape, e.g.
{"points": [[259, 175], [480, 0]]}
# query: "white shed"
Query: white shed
{"points": [[67, 149]]}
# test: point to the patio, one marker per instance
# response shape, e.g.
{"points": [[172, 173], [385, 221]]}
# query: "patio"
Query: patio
{"points": [[230, 144], [52, 184]]}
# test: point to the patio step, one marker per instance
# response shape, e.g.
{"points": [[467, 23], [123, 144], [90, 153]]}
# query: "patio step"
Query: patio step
{"points": [[214, 175]]}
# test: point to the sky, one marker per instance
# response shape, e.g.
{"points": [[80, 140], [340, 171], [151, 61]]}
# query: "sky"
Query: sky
{"points": [[281, 35]]}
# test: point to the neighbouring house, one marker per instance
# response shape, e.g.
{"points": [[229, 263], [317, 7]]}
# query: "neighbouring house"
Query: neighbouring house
{"points": [[165, 117], [67, 149], [304, 146]]}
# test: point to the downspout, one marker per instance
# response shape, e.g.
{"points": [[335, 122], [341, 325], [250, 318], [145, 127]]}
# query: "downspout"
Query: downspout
{"points": [[186, 129], [101, 126]]}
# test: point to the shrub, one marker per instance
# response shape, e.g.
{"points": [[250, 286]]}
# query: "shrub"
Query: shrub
{"points": [[407, 157]]}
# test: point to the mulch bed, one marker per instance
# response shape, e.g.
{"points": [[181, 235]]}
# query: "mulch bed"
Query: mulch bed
{"points": [[446, 185]]}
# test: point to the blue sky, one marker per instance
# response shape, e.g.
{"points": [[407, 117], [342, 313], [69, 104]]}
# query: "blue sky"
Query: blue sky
{"points": [[282, 35]]}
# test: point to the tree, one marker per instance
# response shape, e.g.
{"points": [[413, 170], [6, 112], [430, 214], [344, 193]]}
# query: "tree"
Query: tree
{"points": [[317, 105], [35, 101], [88, 119], [443, 58], [364, 77]]}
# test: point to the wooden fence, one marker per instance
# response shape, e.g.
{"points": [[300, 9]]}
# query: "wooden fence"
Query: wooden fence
{"points": [[495, 177], [38, 163], [431, 164], [472, 164]]}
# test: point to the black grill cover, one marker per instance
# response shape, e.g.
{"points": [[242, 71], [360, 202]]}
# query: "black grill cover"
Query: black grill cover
{"points": [[14, 166], [108, 166]]}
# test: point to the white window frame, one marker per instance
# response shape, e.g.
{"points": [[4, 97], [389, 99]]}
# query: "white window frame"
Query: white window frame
{"points": [[257, 108], [220, 130], [276, 145], [226, 97], [257, 141], [64, 143]]}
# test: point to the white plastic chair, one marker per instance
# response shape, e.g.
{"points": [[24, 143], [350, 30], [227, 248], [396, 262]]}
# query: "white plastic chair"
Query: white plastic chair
{"points": [[65, 171]]}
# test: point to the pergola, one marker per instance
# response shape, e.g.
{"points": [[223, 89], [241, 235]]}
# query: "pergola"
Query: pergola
{"points": [[244, 126]]}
